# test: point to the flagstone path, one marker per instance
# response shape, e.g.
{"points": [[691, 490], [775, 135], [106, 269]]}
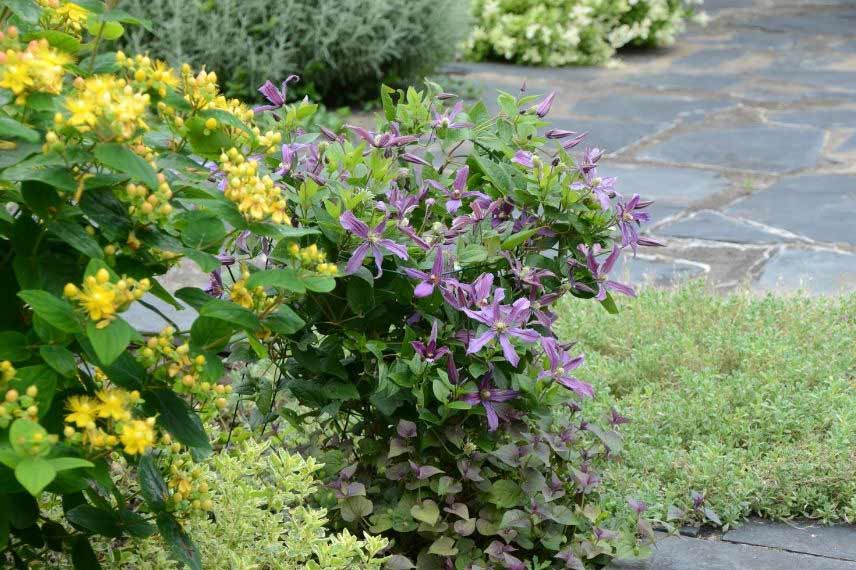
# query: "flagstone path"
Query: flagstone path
{"points": [[744, 133]]}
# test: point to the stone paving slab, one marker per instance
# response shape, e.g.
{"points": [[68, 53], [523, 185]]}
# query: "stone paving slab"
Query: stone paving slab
{"points": [[829, 541], [610, 135], [712, 225], [820, 207], [819, 272], [758, 148], [678, 553], [647, 108]]}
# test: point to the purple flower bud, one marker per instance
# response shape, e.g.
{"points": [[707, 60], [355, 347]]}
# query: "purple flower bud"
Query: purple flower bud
{"points": [[412, 158], [559, 134], [544, 107], [444, 96], [638, 506], [568, 145]]}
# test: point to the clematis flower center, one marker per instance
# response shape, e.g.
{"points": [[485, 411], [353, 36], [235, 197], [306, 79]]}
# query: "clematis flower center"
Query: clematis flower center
{"points": [[485, 394], [500, 326], [560, 370], [596, 181], [627, 217], [372, 237]]}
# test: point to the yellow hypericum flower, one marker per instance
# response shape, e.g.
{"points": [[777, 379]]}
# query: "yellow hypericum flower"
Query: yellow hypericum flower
{"points": [[106, 106], [102, 299], [137, 436], [113, 404], [70, 16], [38, 68], [83, 409]]}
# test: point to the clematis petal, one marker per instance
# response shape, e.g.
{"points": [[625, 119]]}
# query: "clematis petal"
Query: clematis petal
{"points": [[354, 225], [479, 342], [356, 260]]}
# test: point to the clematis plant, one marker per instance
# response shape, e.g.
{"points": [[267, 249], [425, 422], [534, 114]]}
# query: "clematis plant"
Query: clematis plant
{"points": [[431, 385]]}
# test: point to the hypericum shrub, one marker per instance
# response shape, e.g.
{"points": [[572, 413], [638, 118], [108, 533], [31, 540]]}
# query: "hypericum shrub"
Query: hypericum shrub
{"points": [[105, 183], [580, 32], [261, 519], [342, 49], [429, 381]]}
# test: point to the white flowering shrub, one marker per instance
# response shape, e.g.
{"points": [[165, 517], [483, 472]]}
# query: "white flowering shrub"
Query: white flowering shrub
{"points": [[580, 32], [260, 520]]}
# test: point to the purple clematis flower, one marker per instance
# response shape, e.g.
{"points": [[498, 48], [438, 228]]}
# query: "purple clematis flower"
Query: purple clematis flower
{"points": [[429, 280], [557, 134], [383, 140], [589, 160], [487, 396], [600, 273], [504, 322], [525, 274], [539, 305], [561, 364], [447, 120], [630, 217], [274, 95], [429, 351], [524, 158], [458, 191], [372, 242]]}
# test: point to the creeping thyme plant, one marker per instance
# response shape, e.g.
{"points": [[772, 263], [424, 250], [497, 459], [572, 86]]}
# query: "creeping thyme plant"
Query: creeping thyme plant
{"points": [[385, 292], [572, 32]]}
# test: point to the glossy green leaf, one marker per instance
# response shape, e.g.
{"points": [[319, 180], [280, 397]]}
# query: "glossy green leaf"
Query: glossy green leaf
{"points": [[59, 358], [111, 341], [179, 543], [152, 485], [74, 235], [13, 346], [82, 555], [180, 420], [122, 159], [53, 310], [288, 279], [34, 474], [12, 129], [229, 312]]}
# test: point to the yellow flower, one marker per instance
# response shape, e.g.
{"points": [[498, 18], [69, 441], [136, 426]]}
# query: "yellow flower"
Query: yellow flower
{"points": [[113, 404], [107, 106], [137, 436], [102, 299], [72, 16], [83, 409], [38, 68]]}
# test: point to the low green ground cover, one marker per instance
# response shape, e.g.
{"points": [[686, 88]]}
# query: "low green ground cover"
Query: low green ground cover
{"points": [[749, 400]]}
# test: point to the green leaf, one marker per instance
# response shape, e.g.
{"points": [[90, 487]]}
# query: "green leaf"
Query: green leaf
{"points": [[229, 312], [59, 358], [202, 230], [12, 129], [122, 159], [227, 118], [66, 463], [59, 40], [43, 379], [210, 334], [180, 545], [22, 434], [505, 494], [427, 511], [109, 31], [494, 172], [4, 522], [34, 474], [180, 420], [443, 546], [103, 522], [288, 279], [82, 555], [386, 98], [13, 346], [609, 304], [74, 235], [318, 283], [27, 10], [518, 239], [355, 508], [193, 296], [55, 311], [111, 341], [152, 485], [284, 321]]}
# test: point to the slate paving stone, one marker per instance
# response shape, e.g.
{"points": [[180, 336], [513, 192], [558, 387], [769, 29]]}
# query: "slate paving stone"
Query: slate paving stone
{"points": [[715, 226], [758, 91], [849, 145], [818, 272], [841, 21], [824, 118], [759, 148], [683, 81], [146, 320], [826, 79], [675, 553], [609, 135], [672, 189], [642, 271], [713, 6], [706, 59], [838, 541], [818, 206], [646, 108]]}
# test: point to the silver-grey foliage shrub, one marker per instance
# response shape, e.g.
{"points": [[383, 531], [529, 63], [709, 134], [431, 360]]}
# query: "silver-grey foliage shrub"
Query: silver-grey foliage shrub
{"points": [[342, 49]]}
